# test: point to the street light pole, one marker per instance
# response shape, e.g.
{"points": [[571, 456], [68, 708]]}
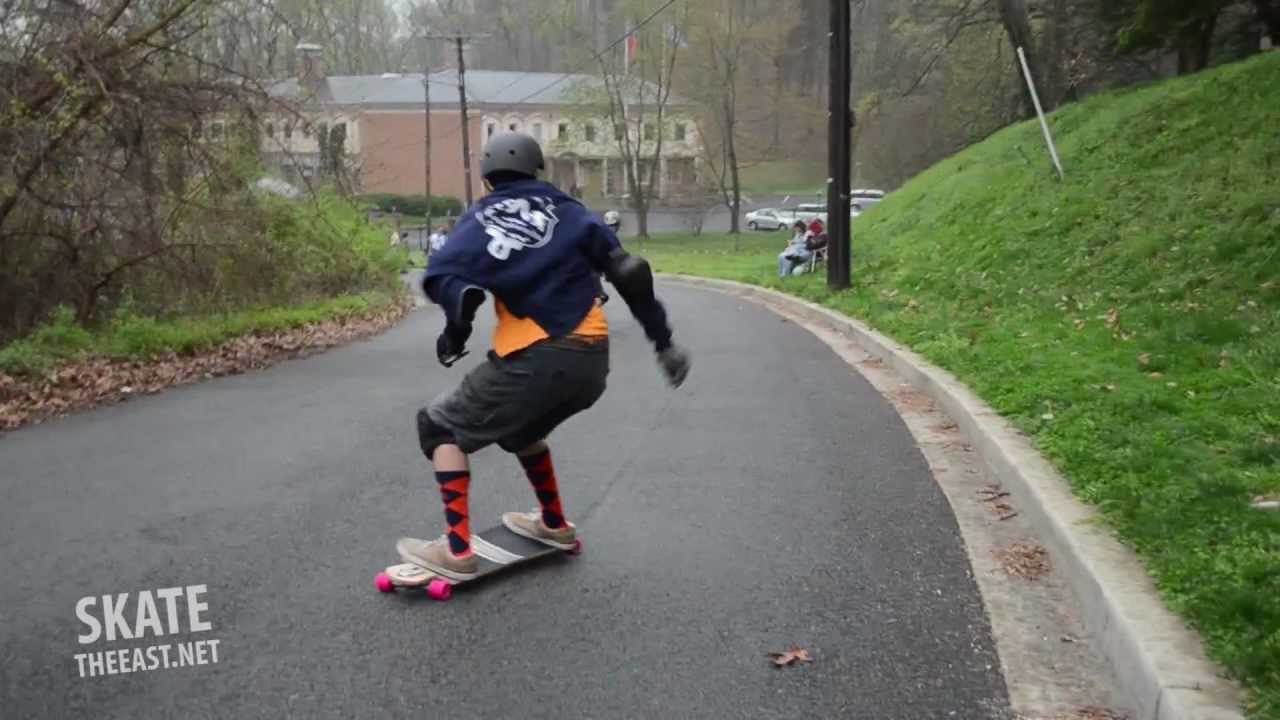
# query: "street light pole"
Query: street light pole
{"points": [[840, 126]]}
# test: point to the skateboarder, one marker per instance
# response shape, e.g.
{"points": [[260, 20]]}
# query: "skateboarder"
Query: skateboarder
{"points": [[540, 254]]}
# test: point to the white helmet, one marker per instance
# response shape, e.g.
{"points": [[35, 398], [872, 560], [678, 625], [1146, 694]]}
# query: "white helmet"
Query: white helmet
{"points": [[612, 219]]}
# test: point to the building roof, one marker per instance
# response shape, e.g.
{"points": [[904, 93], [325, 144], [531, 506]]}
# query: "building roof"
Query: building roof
{"points": [[485, 89]]}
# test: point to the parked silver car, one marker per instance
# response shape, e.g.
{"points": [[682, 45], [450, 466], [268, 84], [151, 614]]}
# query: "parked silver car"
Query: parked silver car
{"points": [[766, 219], [860, 200]]}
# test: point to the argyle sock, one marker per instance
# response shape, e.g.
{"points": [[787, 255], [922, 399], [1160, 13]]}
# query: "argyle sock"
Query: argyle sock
{"points": [[542, 475], [453, 490]]}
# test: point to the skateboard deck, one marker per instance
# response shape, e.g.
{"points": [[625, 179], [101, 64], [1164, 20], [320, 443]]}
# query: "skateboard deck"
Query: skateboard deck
{"points": [[497, 549]]}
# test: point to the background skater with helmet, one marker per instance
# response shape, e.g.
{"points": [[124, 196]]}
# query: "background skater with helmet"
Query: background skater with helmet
{"points": [[540, 254]]}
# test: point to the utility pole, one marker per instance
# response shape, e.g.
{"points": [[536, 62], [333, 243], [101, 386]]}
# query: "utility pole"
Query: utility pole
{"points": [[840, 126], [459, 39], [426, 154], [466, 128]]}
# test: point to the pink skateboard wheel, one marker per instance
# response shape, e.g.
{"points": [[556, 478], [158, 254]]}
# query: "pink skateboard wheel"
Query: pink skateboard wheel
{"points": [[383, 581], [577, 548], [439, 590]]}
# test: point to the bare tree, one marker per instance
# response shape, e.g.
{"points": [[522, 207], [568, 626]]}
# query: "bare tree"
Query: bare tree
{"points": [[634, 94]]}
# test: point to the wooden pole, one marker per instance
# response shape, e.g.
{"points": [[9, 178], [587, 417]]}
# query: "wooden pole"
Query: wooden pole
{"points": [[466, 129]]}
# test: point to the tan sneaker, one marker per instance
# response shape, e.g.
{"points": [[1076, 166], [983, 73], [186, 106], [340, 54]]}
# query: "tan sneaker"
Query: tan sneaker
{"points": [[530, 525], [436, 557]]}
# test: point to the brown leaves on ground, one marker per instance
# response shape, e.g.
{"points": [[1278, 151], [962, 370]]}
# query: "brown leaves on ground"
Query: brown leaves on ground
{"points": [[1084, 713], [993, 497], [1025, 560], [793, 656], [99, 380], [1095, 713]]}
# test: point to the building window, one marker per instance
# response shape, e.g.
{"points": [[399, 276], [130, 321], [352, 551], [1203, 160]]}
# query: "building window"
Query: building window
{"points": [[590, 132], [563, 131], [514, 127], [271, 130], [306, 130], [649, 133], [617, 132], [680, 132], [537, 132], [288, 131], [215, 131], [488, 131]]}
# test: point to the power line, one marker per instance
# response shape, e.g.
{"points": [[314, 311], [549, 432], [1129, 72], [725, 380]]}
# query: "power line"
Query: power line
{"points": [[574, 71]]}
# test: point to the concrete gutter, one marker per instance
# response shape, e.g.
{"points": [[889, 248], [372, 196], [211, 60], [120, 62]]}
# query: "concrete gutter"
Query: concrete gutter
{"points": [[1158, 661]]}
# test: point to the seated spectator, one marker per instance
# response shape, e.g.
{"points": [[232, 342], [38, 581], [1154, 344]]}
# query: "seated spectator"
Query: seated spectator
{"points": [[796, 253]]}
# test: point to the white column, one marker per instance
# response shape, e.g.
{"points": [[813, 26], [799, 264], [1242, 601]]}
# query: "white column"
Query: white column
{"points": [[604, 176], [662, 176]]}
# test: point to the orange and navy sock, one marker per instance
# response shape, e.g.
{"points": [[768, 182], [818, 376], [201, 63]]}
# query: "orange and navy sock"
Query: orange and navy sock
{"points": [[542, 475], [453, 490]]}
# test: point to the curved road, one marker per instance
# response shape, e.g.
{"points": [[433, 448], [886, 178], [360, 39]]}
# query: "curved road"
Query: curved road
{"points": [[776, 499]]}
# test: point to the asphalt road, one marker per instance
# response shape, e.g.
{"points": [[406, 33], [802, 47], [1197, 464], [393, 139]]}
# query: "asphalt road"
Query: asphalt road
{"points": [[776, 499]]}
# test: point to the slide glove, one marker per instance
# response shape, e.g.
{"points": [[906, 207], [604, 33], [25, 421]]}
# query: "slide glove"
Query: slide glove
{"points": [[674, 362], [449, 349]]}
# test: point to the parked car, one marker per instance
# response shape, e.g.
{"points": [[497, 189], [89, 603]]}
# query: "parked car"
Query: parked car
{"points": [[808, 212], [766, 219], [775, 219], [860, 200]]}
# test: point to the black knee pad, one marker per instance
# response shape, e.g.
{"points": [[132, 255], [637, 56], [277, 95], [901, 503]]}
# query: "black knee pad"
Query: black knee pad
{"points": [[431, 435]]}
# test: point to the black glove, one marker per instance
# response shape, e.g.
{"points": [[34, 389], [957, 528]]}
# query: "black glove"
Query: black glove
{"points": [[449, 349], [675, 363]]}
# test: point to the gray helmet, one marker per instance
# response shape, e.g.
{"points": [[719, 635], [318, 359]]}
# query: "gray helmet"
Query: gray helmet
{"points": [[512, 152]]}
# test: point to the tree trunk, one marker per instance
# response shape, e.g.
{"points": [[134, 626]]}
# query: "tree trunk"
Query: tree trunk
{"points": [[642, 217], [1269, 14], [1058, 54], [1195, 48], [1017, 25]]}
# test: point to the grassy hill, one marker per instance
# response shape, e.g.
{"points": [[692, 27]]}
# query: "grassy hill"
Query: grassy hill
{"points": [[1127, 319]]}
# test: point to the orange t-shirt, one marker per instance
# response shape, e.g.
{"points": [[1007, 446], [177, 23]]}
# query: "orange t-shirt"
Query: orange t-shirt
{"points": [[513, 333]]}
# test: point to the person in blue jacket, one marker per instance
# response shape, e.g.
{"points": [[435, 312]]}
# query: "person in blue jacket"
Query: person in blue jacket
{"points": [[540, 254]]}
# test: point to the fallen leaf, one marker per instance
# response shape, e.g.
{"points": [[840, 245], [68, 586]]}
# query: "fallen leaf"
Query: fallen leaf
{"points": [[795, 655]]}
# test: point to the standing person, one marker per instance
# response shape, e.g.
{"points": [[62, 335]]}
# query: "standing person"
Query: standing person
{"points": [[540, 254], [796, 252], [437, 240]]}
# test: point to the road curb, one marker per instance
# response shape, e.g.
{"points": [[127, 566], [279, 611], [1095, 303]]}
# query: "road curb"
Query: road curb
{"points": [[1158, 661]]}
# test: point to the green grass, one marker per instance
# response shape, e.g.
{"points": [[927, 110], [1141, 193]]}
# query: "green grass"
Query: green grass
{"points": [[131, 336], [784, 177], [1128, 320]]}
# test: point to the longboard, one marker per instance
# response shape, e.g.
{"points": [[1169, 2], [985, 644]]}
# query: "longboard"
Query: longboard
{"points": [[496, 548]]}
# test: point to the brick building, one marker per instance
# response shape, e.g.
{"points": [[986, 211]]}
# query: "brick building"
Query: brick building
{"points": [[381, 121]]}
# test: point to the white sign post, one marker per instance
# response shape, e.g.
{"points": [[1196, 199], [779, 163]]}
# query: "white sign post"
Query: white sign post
{"points": [[1044, 125]]}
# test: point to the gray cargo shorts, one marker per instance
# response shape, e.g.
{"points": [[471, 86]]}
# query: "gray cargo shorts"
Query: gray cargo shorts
{"points": [[517, 400]]}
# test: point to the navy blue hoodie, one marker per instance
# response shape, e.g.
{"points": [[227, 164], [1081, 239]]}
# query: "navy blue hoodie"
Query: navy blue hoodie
{"points": [[540, 252]]}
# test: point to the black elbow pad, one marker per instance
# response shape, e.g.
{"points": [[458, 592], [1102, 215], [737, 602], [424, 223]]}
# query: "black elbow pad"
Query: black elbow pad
{"points": [[631, 275]]}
